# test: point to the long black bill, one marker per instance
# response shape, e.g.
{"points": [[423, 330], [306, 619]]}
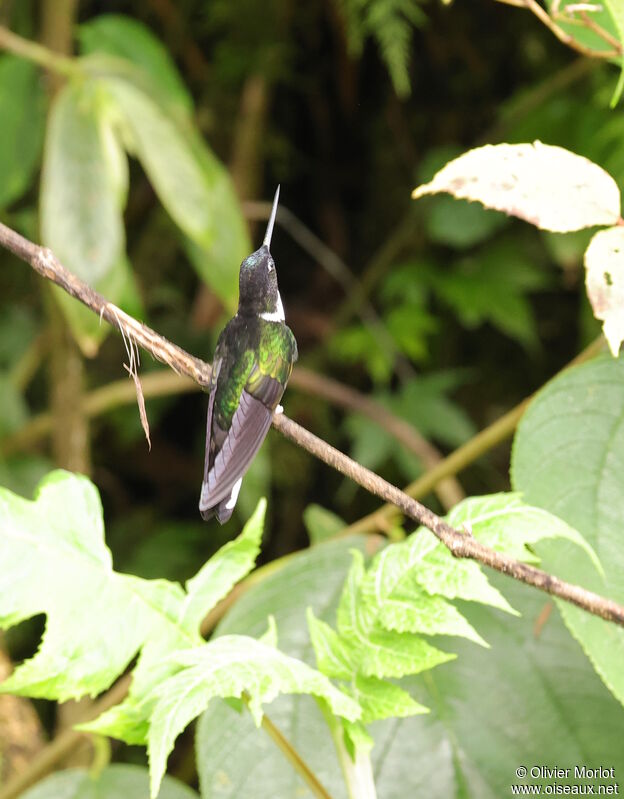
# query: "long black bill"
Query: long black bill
{"points": [[269, 230]]}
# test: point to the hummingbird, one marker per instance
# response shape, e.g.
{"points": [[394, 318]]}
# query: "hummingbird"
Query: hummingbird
{"points": [[253, 360]]}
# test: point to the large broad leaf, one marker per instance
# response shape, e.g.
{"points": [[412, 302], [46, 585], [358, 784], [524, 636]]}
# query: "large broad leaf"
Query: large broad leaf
{"points": [[568, 457], [191, 183], [127, 38], [604, 262], [161, 146], [111, 783], [547, 186], [22, 111], [83, 190], [531, 698]]}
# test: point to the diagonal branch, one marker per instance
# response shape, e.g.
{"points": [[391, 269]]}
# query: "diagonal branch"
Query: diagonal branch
{"points": [[459, 543]]}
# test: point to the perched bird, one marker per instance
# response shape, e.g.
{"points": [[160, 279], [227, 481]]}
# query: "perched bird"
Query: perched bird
{"points": [[252, 363]]}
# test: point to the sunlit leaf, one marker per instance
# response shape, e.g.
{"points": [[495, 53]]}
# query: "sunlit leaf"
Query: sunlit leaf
{"points": [[547, 186], [231, 666]]}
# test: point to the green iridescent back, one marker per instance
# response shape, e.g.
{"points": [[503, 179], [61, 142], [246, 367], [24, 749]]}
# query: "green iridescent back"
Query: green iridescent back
{"points": [[264, 351]]}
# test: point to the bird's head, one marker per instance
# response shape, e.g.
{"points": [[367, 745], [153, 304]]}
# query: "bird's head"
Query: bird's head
{"points": [[257, 282]]}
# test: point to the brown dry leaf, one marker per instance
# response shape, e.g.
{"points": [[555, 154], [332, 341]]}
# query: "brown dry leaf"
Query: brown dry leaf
{"points": [[548, 186], [604, 264]]}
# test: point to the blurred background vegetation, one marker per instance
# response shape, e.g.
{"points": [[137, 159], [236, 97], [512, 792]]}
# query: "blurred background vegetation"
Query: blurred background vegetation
{"points": [[446, 314]]}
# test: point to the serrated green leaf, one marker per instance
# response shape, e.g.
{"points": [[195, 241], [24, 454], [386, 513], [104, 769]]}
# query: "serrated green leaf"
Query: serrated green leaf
{"points": [[568, 457], [375, 651], [414, 611], [333, 656], [422, 560], [130, 719], [230, 666], [265, 774], [57, 563], [380, 699], [390, 654], [55, 558], [505, 523], [22, 111], [112, 782]]}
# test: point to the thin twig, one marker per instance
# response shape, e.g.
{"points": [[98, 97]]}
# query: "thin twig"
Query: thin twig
{"points": [[37, 53], [294, 758], [600, 31], [463, 456], [460, 545], [564, 37], [448, 489], [163, 383]]}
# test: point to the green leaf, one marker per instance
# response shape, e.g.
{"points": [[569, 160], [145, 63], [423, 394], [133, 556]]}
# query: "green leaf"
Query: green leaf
{"points": [[191, 183], [80, 210], [321, 523], [568, 458], [167, 157], [22, 111], [312, 578], [333, 656], [130, 719], [492, 287], [461, 224], [531, 698], [112, 782], [381, 699], [231, 666], [507, 524], [14, 409], [229, 565], [83, 189], [57, 563], [124, 37]]}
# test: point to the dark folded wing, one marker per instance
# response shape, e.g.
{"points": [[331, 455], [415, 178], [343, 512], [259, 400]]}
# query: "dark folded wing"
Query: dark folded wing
{"points": [[249, 427]]}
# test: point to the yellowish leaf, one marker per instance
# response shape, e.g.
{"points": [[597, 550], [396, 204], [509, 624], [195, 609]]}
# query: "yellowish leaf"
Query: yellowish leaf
{"points": [[604, 264], [548, 186]]}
